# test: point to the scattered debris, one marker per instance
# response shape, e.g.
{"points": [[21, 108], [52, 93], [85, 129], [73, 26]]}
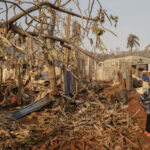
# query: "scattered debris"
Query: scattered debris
{"points": [[122, 96], [86, 124], [54, 94]]}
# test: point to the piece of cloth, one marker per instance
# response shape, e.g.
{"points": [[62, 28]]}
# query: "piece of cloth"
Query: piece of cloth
{"points": [[145, 100], [147, 108], [148, 123], [145, 85]]}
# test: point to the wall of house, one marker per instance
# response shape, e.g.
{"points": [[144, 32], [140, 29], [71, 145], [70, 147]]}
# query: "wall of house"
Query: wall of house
{"points": [[108, 70], [100, 74]]}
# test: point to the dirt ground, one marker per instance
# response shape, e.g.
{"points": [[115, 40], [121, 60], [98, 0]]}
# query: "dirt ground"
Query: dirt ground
{"points": [[135, 110], [133, 107]]}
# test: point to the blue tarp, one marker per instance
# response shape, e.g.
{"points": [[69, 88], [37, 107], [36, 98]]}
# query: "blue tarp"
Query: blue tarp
{"points": [[145, 78], [35, 106], [68, 82]]}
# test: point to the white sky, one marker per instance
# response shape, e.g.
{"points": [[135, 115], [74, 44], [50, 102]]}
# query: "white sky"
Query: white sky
{"points": [[133, 18]]}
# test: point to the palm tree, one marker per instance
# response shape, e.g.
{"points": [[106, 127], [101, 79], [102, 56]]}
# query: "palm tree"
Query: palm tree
{"points": [[133, 40], [147, 50]]}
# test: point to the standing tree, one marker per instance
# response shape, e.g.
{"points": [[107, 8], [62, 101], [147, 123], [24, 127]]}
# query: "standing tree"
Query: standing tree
{"points": [[43, 23], [133, 40]]}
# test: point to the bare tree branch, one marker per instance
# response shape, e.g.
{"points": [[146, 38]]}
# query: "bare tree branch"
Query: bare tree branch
{"points": [[34, 8], [67, 2], [30, 34]]}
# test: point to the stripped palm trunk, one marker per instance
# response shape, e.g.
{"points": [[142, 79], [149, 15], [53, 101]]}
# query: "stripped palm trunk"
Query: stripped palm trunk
{"points": [[52, 74]]}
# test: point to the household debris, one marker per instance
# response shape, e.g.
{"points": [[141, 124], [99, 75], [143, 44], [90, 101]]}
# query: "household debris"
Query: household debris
{"points": [[87, 124], [57, 94]]}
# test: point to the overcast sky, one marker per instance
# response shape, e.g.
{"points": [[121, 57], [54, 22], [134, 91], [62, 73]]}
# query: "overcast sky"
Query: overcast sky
{"points": [[133, 18]]}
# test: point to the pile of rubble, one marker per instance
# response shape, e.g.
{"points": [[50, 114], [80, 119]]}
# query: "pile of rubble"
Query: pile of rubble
{"points": [[91, 122]]}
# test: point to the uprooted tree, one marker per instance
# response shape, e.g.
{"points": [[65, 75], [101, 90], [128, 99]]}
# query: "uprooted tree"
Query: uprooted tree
{"points": [[42, 24]]}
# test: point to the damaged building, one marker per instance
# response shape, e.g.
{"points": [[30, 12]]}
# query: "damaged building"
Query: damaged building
{"points": [[108, 69]]}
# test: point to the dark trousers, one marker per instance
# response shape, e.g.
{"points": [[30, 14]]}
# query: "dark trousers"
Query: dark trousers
{"points": [[148, 123]]}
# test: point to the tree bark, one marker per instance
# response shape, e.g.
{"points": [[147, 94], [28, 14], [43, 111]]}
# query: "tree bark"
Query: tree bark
{"points": [[51, 46]]}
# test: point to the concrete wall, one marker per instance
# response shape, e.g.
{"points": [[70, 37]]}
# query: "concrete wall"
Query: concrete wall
{"points": [[108, 70]]}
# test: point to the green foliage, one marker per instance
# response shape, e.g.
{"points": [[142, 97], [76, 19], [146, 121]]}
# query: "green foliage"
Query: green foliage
{"points": [[45, 45], [8, 35], [115, 19], [102, 18], [101, 48], [133, 40], [52, 52], [100, 31]]}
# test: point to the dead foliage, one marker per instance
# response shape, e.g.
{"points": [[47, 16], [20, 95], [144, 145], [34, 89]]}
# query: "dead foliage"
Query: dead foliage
{"points": [[9, 90], [89, 120], [93, 123]]}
